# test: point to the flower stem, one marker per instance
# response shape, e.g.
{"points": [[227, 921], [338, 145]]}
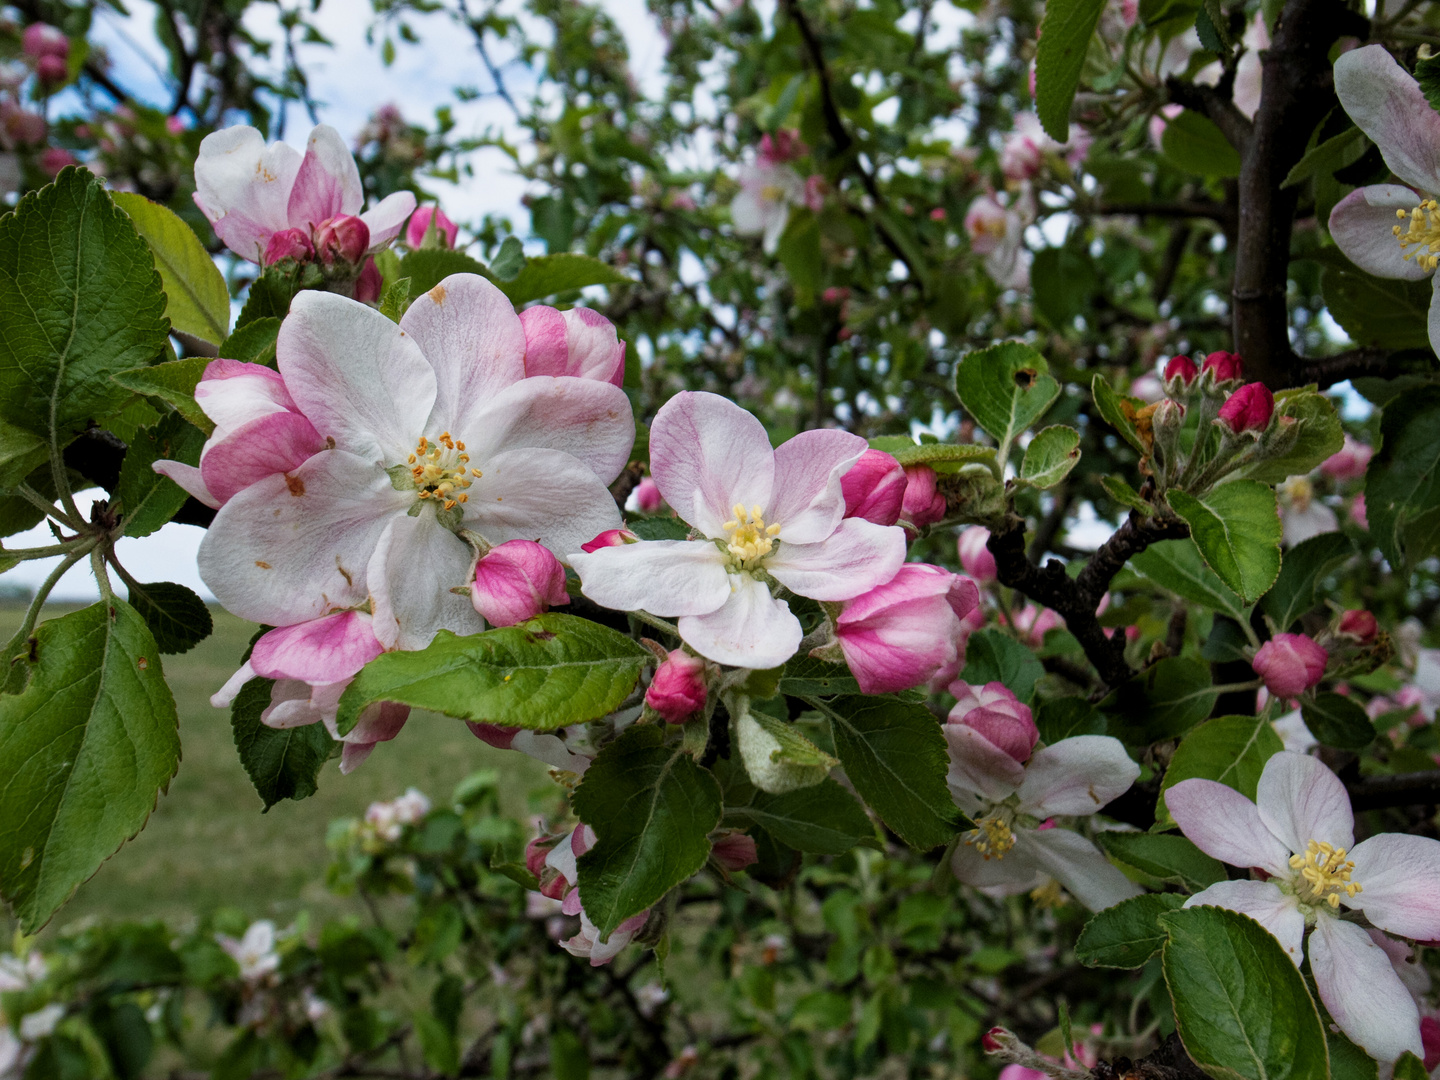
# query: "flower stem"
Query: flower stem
{"points": [[659, 624], [30, 495]]}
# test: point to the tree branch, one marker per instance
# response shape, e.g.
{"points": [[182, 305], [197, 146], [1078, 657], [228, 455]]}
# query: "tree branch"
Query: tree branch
{"points": [[1192, 209], [1402, 789], [1350, 364]]}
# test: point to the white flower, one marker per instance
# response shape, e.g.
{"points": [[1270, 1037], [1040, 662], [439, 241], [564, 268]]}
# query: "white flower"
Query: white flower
{"points": [[255, 952], [37, 1025], [767, 191], [411, 807]]}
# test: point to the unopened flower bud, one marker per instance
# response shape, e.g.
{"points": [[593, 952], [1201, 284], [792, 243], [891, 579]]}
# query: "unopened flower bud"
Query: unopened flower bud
{"points": [[610, 538], [536, 851], [517, 581], [289, 244], [996, 1039], [735, 852], [1290, 664], [52, 70], [41, 40], [899, 634], [1349, 462], [1358, 624], [369, 284], [1224, 367], [874, 488], [441, 234], [997, 715], [922, 505], [1248, 409], [342, 239], [975, 556], [1180, 372], [678, 690], [647, 496]]}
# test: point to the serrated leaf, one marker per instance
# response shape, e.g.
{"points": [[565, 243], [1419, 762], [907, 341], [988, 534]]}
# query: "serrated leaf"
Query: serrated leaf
{"points": [[1065, 33], [21, 453], [1338, 721], [1427, 74], [1052, 453], [509, 260], [1118, 410], [549, 275], [254, 342], [652, 809], [1410, 1067], [824, 819], [907, 451], [1293, 593], [1402, 483], [428, 267], [1237, 528], [178, 619], [1231, 750], [994, 656], [895, 756], [1385, 313], [282, 763], [1241, 1007], [1325, 158], [198, 301], [1006, 388], [395, 299], [80, 300], [1061, 718], [804, 676], [174, 383], [146, 499], [1127, 934], [1126, 495], [1320, 436], [549, 672], [1195, 145], [1164, 701], [85, 748], [1176, 565], [1165, 859]]}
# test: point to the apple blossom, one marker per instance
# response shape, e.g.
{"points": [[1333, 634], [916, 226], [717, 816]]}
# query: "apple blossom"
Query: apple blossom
{"points": [[254, 953], [587, 944], [998, 715], [578, 342], [1299, 832], [515, 581], [1290, 664], [1303, 516], [1248, 409], [782, 146], [41, 39], [419, 228], [1034, 623], [1349, 462], [547, 746], [761, 515], [342, 239], [874, 488], [762, 208], [678, 692], [249, 192], [377, 516], [975, 555], [41, 1023], [996, 232]]}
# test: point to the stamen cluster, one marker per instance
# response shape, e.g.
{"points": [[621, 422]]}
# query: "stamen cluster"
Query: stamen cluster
{"points": [[750, 539], [1423, 231], [441, 470], [991, 837], [1324, 873]]}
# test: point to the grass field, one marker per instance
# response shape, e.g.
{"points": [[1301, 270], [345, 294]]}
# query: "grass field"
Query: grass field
{"points": [[208, 845]]}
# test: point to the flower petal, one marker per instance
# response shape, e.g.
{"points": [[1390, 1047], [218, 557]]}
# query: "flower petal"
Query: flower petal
{"points": [[1363, 226], [1017, 872], [751, 629], [1076, 776], [1078, 865], [855, 558], [189, 478], [1301, 800], [277, 443], [1266, 904], [1432, 318], [388, 217], [416, 562], [329, 649], [807, 502], [1386, 103], [663, 577], [243, 187], [471, 336], [233, 393], [290, 548], [589, 420], [356, 376], [706, 455], [1399, 878], [541, 495], [1362, 992], [978, 767], [1226, 825], [327, 183]]}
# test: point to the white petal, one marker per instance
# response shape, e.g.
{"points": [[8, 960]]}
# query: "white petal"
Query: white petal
{"points": [[1432, 319], [808, 503], [416, 562], [1076, 776], [292, 547], [1301, 800], [1365, 997], [857, 557], [663, 577], [978, 767], [1226, 826], [189, 478], [1265, 903], [751, 629], [388, 217], [1386, 103], [541, 495], [243, 187], [1363, 225], [1078, 865], [706, 455], [1399, 878], [587, 419], [1015, 873], [356, 377]]}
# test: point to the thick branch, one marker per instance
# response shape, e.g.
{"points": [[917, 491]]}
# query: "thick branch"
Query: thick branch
{"points": [[1213, 103], [1195, 208], [1350, 364], [1402, 789]]}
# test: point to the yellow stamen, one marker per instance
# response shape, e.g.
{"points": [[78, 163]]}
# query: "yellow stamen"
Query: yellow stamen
{"points": [[749, 539], [1324, 874], [440, 471], [991, 837], [1423, 232]]}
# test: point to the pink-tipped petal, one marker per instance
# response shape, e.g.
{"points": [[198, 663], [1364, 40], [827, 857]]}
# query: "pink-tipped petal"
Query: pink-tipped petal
{"points": [[278, 443], [1387, 104], [1076, 776], [1301, 800], [327, 183], [808, 501], [1265, 903], [978, 768], [1399, 877], [751, 629], [243, 188], [1226, 825], [706, 455], [1363, 226], [189, 478], [856, 558], [1361, 991], [547, 348], [325, 650]]}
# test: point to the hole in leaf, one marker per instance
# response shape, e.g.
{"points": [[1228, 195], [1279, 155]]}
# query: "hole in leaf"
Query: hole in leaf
{"points": [[1025, 378]]}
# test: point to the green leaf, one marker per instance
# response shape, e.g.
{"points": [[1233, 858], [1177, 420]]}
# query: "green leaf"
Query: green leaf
{"points": [[85, 749], [1231, 750], [198, 301], [1211, 31], [907, 451], [549, 672], [146, 499], [21, 453], [1293, 593], [548, 275], [800, 253], [569, 1057], [254, 342], [1378, 312], [1338, 721], [282, 763], [1402, 484], [1060, 718], [1410, 1067], [1127, 934], [1118, 410], [1334, 153], [1165, 859], [1065, 33], [1126, 495], [1164, 701], [1194, 145], [178, 619], [824, 818], [1241, 1006], [1176, 565], [1006, 388], [509, 260], [428, 267], [1236, 526], [895, 756], [80, 300], [395, 299], [1427, 74], [804, 676], [173, 382], [1063, 282], [652, 809], [1349, 1062], [994, 656], [1052, 453], [1320, 435]]}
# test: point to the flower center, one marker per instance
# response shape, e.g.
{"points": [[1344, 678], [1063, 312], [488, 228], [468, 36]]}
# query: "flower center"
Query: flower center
{"points": [[441, 470], [772, 193], [991, 837], [748, 538], [1324, 874], [1423, 232]]}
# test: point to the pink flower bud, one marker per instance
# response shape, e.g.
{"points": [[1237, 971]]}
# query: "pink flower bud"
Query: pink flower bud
{"points": [[1224, 367], [579, 342], [647, 496], [1357, 512], [289, 244], [990, 1041], [343, 238], [735, 852], [874, 488], [993, 712], [536, 851], [1180, 368], [1035, 622], [53, 159], [495, 735], [41, 40], [1290, 664], [1020, 158], [1360, 625], [1430, 1041], [369, 284], [785, 145], [1349, 462], [419, 227], [899, 634], [678, 690], [835, 294], [52, 70], [517, 581], [975, 556], [937, 213], [610, 538], [1248, 409], [922, 505]]}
